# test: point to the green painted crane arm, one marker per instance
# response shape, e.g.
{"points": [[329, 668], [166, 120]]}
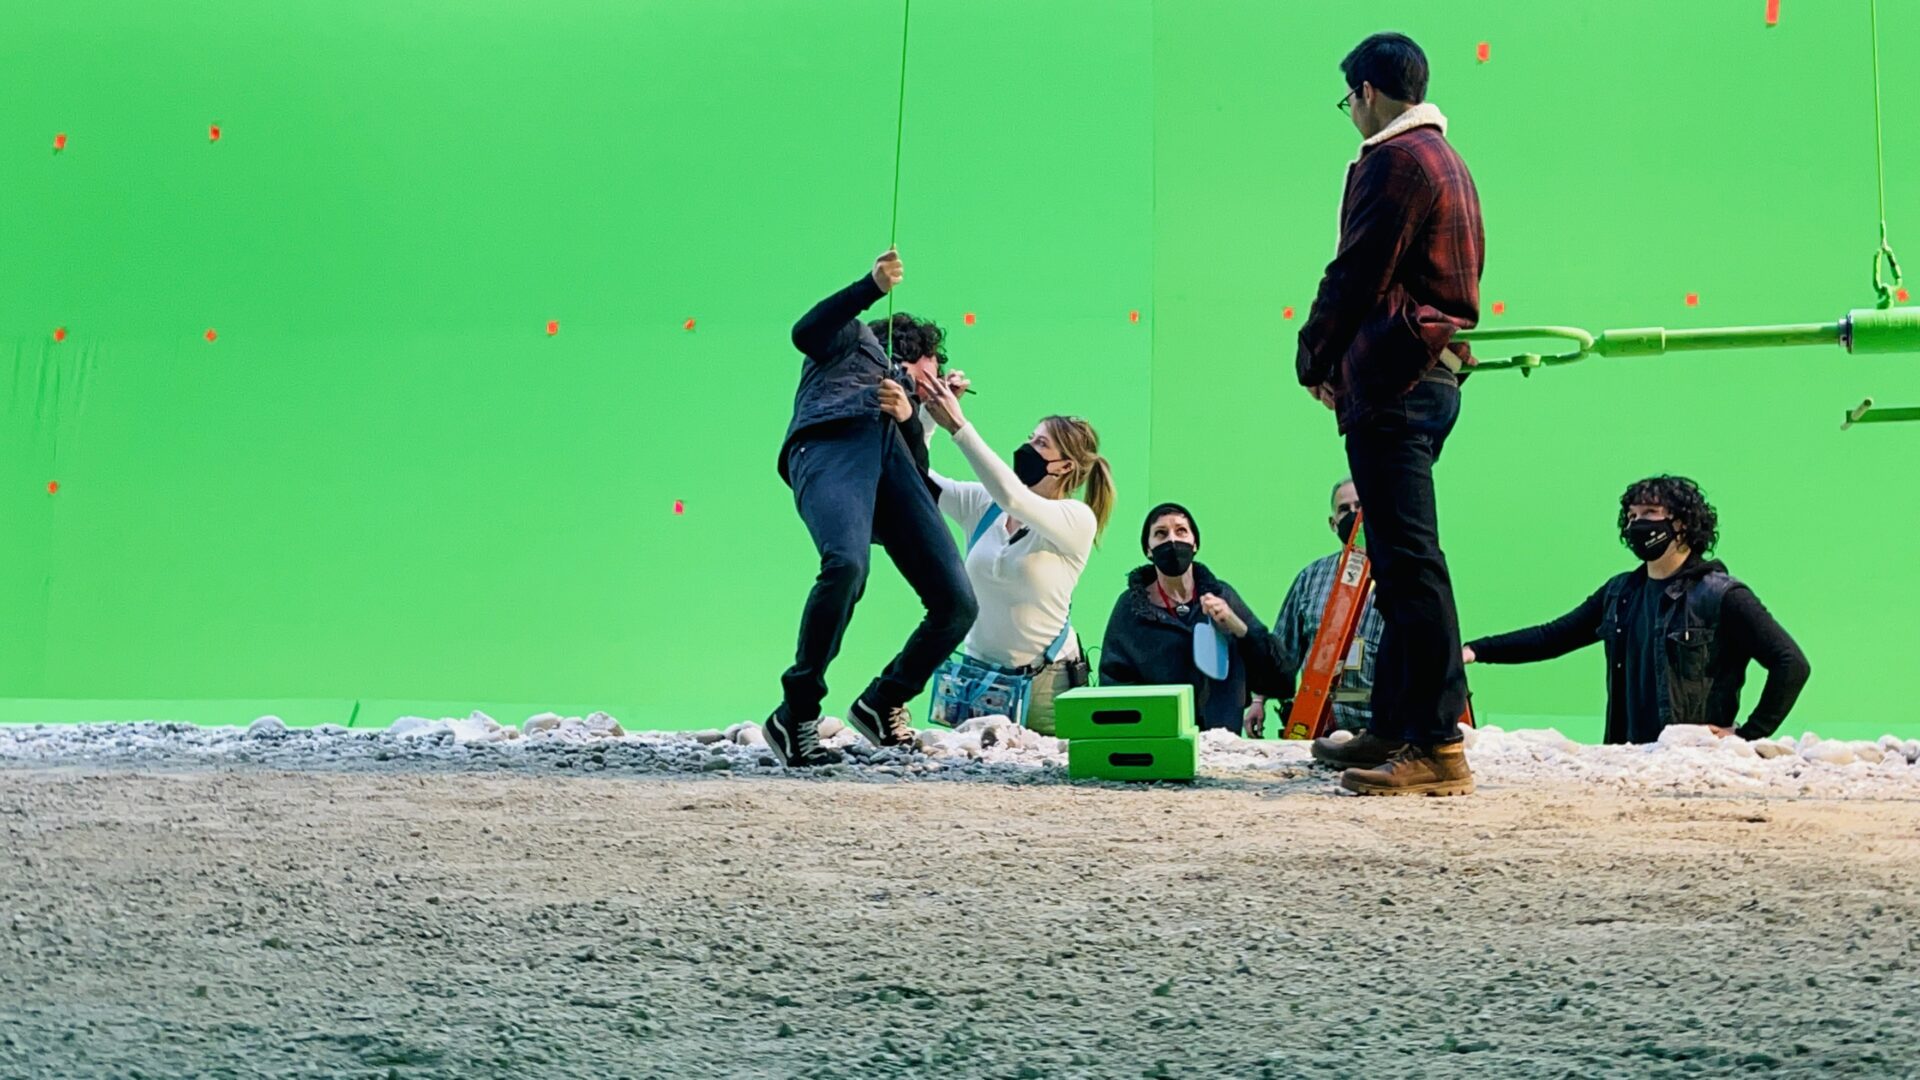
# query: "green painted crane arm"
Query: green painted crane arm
{"points": [[1864, 331]]}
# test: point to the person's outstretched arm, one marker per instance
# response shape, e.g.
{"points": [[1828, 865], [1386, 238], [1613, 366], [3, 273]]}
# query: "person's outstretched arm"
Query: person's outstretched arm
{"points": [[819, 332], [1748, 622], [1391, 199], [1576, 629]]}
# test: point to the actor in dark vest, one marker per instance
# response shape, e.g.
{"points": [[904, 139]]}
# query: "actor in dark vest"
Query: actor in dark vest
{"points": [[1679, 630]]}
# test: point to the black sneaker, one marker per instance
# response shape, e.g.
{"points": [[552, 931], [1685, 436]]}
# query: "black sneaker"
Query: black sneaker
{"points": [[891, 728], [797, 745]]}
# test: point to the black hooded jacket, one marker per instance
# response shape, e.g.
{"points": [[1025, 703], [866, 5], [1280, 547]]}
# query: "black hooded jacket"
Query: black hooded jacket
{"points": [[840, 375], [1147, 645]]}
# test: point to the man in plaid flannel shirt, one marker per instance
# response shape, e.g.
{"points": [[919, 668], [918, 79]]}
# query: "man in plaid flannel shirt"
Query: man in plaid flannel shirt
{"points": [[1299, 623], [1379, 349]]}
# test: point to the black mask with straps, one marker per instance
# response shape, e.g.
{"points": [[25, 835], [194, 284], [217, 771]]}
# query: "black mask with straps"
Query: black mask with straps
{"points": [[1172, 558], [1029, 465]]}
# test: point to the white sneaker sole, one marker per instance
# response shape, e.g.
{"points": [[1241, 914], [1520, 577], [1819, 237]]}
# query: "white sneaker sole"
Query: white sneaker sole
{"points": [[869, 731]]}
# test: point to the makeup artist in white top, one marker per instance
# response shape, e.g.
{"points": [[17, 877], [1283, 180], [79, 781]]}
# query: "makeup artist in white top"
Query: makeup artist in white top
{"points": [[1024, 568]]}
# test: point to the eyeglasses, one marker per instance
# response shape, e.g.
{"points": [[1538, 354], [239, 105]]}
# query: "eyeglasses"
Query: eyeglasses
{"points": [[1346, 103]]}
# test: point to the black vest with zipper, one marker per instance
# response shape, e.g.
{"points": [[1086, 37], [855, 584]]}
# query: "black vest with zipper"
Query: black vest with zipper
{"points": [[1699, 688]]}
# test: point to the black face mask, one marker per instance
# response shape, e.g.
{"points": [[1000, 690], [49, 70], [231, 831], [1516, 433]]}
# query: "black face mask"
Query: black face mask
{"points": [[1172, 558], [1028, 465], [1649, 539], [1346, 526]]}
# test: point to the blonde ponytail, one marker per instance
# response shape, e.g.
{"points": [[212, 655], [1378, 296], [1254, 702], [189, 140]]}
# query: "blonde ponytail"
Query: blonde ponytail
{"points": [[1080, 444], [1100, 495]]}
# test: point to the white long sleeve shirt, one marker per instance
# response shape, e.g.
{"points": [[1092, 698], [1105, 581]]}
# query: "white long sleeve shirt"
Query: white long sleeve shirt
{"points": [[1025, 587]]}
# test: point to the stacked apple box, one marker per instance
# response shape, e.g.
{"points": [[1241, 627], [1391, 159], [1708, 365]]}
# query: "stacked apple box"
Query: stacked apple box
{"points": [[1128, 732]]}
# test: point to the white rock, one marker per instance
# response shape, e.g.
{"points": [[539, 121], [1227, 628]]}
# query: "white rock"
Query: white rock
{"points": [[267, 727], [604, 726], [480, 728], [544, 722], [980, 723], [411, 725], [1545, 739], [1869, 752], [829, 727], [752, 736], [1827, 753], [1002, 733], [1688, 735], [709, 736]]}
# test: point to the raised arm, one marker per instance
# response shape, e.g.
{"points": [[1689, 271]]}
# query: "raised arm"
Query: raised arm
{"points": [[818, 332], [1067, 524]]}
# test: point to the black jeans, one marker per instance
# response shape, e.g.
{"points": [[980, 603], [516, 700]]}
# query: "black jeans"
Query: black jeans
{"points": [[855, 485], [1419, 683]]}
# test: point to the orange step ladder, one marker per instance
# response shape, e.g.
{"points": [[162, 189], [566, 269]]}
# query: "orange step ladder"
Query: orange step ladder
{"points": [[1312, 713]]}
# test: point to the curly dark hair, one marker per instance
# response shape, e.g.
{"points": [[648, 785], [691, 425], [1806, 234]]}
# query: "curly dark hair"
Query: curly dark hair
{"points": [[912, 338], [1684, 502]]}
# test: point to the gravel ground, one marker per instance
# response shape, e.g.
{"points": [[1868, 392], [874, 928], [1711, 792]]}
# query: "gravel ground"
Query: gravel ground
{"points": [[448, 901]]}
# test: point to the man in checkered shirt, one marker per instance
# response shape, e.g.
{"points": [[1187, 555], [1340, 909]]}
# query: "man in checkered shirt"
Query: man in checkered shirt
{"points": [[1379, 347], [1299, 622]]}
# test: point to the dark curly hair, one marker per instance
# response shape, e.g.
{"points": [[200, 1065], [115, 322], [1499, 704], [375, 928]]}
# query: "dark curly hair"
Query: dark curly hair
{"points": [[912, 338], [1684, 502]]}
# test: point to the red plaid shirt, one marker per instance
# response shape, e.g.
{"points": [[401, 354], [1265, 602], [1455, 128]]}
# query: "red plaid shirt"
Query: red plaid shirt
{"points": [[1406, 277]]}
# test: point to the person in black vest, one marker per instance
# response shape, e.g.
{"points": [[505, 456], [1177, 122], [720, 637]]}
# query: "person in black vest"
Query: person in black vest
{"points": [[1149, 640], [857, 481], [1678, 631]]}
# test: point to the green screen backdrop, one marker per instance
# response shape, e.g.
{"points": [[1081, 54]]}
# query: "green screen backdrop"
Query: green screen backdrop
{"points": [[384, 487]]}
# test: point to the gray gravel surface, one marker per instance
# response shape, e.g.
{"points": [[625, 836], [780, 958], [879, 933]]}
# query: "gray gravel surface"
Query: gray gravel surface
{"points": [[496, 913]]}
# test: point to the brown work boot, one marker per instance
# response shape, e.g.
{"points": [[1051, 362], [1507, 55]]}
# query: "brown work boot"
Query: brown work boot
{"points": [[1364, 751], [1416, 770]]}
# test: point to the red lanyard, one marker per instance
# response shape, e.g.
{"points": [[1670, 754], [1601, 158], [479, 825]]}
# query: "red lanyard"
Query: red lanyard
{"points": [[1167, 600]]}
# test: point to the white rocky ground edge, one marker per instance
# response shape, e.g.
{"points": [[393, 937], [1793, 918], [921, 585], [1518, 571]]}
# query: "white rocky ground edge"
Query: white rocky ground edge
{"points": [[1685, 760]]}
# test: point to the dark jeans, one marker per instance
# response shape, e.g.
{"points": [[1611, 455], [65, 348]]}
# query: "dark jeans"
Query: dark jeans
{"points": [[1419, 683], [855, 484]]}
